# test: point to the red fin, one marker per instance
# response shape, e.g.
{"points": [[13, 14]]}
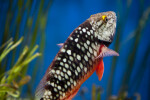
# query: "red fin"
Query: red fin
{"points": [[100, 69], [73, 94]]}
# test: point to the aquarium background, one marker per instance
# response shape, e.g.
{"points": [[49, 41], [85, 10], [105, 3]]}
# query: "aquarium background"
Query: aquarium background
{"points": [[37, 27]]}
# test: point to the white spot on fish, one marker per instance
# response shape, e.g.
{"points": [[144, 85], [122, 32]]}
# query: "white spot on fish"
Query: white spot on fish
{"points": [[55, 89], [66, 65], [58, 58], [83, 49], [69, 72], [71, 58], [71, 38], [59, 77], [76, 40], [86, 58], [80, 32], [53, 71], [78, 45], [69, 52], [63, 50], [63, 94], [78, 57], [74, 54], [61, 63], [49, 93], [91, 31], [64, 69], [81, 65], [79, 28], [74, 83], [95, 53], [65, 86], [84, 30], [59, 87], [68, 83], [52, 84], [90, 49], [88, 32], [47, 96], [85, 69], [58, 72], [88, 54], [64, 59], [85, 45], [66, 76], [71, 80], [78, 68], [88, 42], [93, 46], [62, 74], [76, 73]]}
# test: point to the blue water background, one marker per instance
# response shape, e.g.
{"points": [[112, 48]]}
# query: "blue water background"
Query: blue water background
{"points": [[65, 15]]}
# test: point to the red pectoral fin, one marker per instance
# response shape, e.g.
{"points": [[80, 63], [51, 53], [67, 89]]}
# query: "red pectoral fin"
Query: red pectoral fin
{"points": [[100, 69]]}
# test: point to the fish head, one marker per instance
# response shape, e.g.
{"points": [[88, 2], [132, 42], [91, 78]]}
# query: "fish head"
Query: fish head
{"points": [[104, 25]]}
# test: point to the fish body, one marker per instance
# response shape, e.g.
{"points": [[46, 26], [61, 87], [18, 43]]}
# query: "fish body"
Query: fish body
{"points": [[80, 55]]}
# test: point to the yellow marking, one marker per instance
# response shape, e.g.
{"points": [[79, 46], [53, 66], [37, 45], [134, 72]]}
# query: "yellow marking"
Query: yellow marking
{"points": [[103, 17], [91, 15]]}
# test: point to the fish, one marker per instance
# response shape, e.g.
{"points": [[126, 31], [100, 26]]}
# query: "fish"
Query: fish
{"points": [[79, 57]]}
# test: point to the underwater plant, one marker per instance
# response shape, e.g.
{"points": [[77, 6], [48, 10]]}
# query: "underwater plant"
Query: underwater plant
{"points": [[13, 79], [27, 18]]}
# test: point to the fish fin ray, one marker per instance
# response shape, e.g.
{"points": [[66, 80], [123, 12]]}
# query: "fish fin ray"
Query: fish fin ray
{"points": [[40, 88], [60, 44], [100, 69], [107, 52]]}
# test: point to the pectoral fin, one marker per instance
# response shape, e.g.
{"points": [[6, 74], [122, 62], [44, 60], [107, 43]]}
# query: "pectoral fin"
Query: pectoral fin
{"points": [[100, 69], [107, 52]]}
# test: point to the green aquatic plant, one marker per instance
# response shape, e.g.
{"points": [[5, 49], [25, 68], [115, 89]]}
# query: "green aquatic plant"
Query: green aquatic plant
{"points": [[12, 80], [96, 92], [27, 18]]}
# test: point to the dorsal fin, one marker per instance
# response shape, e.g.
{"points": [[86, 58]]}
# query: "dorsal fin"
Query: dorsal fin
{"points": [[60, 44]]}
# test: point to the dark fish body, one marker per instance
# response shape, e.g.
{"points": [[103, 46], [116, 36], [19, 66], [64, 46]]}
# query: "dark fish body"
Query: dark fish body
{"points": [[76, 61]]}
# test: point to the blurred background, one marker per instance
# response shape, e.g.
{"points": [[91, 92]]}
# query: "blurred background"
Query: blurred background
{"points": [[30, 30]]}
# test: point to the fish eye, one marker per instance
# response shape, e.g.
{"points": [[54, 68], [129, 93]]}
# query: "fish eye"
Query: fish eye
{"points": [[104, 18]]}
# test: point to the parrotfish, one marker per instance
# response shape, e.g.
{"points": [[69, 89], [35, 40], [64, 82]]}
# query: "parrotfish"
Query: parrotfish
{"points": [[79, 57]]}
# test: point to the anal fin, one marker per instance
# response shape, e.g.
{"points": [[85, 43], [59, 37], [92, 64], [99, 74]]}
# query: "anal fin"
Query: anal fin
{"points": [[100, 69]]}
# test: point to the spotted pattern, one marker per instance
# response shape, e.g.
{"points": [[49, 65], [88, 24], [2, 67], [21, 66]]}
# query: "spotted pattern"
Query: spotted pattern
{"points": [[74, 60]]}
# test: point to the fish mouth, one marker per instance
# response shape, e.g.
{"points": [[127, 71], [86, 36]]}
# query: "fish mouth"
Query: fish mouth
{"points": [[106, 43]]}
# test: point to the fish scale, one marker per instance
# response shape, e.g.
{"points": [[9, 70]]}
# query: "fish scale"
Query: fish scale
{"points": [[74, 62]]}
